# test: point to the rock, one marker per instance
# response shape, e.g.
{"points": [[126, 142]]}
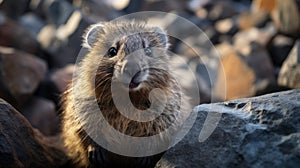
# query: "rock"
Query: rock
{"points": [[14, 35], [41, 113], [196, 5], [219, 10], [14, 8], [264, 5], [227, 26], [194, 85], [279, 49], [100, 9], [261, 36], [62, 77], [32, 23], [203, 59], [257, 132], [55, 84], [164, 6], [23, 146], [250, 19], [290, 71], [64, 42], [21, 74], [286, 15], [241, 74]]}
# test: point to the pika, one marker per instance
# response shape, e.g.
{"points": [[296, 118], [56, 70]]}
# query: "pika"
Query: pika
{"points": [[125, 61]]}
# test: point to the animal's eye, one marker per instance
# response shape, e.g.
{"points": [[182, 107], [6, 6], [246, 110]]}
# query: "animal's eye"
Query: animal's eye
{"points": [[148, 51], [112, 52]]}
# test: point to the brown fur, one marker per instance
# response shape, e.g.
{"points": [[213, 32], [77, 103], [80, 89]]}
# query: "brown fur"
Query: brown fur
{"points": [[95, 77]]}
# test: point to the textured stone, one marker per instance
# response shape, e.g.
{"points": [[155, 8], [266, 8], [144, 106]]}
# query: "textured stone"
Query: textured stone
{"points": [[240, 74], [23, 146], [290, 71], [42, 115], [20, 73], [257, 132]]}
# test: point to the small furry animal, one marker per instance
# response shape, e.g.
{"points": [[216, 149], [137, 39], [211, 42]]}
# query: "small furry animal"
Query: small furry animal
{"points": [[125, 60]]}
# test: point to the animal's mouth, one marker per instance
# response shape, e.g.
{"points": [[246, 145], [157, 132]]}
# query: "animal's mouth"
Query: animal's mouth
{"points": [[137, 79], [135, 82]]}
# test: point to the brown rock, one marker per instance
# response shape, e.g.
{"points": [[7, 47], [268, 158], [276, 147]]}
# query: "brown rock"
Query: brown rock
{"points": [[236, 77], [286, 15], [14, 35], [264, 5], [41, 114], [62, 77], [23, 146], [290, 71], [21, 74], [250, 19], [241, 73]]}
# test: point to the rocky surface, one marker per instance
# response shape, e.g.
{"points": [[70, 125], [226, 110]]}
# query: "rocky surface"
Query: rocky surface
{"points": [[23, 146], [40, 41], [257, 132], [21, 74], [41, 113], [290, 72]]}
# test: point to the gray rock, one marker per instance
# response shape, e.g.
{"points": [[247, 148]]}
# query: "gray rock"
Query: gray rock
{"points": [[14, 8], [257, 132], [290, 71], [279, 49], [23, 146], [32, 23]]}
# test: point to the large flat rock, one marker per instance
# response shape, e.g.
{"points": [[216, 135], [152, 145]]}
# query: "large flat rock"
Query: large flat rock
{"points": [[256, 132]]}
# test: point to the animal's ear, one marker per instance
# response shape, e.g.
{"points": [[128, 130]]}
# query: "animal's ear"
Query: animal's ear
{"points": [[91, 35], [162, 36]]}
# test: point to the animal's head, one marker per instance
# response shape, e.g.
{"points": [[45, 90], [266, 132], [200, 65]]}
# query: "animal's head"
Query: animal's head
{"points": [[131, 52]]}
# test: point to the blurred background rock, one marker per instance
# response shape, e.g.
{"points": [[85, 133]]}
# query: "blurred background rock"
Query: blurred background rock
{"points": [[258, 43]]}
